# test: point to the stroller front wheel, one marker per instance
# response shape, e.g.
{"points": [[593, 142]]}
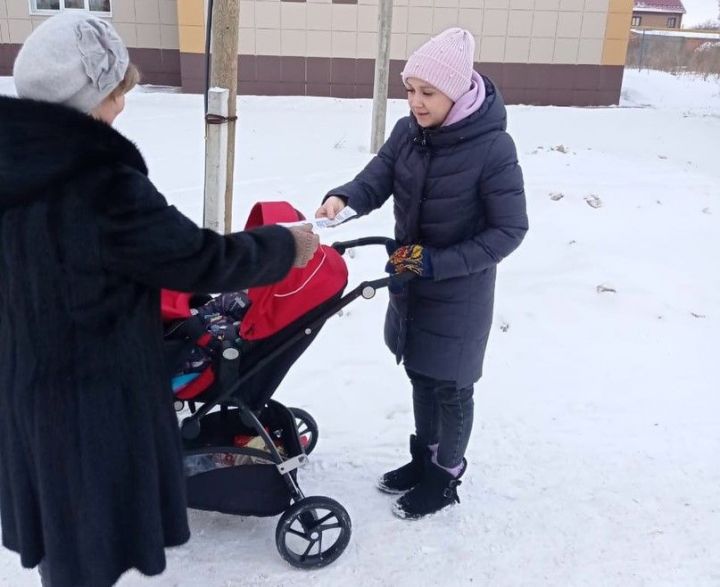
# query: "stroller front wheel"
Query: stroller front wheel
{"points": [[307, 429], [190, 428], [313, 532]]}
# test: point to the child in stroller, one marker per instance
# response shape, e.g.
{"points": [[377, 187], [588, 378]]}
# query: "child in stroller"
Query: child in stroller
{"points": [[220, 317], [200, 330]]}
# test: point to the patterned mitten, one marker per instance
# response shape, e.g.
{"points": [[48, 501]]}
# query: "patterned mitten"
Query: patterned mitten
{"points": [[412, 258]]}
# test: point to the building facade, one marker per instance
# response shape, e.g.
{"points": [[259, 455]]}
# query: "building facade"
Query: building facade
{"points": [[560, 52], [657, 14]]}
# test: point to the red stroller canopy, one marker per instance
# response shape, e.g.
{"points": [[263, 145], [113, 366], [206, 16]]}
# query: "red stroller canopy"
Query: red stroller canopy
{"points": [[273, 307]]}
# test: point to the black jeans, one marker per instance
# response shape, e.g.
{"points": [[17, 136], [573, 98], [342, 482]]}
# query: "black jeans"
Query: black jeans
{"points": [[443, 416]]}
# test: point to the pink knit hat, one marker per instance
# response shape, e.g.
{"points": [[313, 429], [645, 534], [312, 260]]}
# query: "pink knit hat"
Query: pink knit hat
{"points": [[445, 61]]}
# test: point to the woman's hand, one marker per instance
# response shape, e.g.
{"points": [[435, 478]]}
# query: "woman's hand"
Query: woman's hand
{"points": [[330, 208], [306, 243]]}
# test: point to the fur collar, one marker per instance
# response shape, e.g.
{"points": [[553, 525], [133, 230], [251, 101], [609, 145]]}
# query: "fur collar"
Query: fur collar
{"points": [[43, 145]]}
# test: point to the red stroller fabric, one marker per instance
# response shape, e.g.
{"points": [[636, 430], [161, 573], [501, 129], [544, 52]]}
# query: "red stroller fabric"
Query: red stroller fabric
{"points": [[174, 305], [274, 307]]}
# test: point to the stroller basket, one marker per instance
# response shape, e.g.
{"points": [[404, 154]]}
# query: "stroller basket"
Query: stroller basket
{"points": [[225, 478]]}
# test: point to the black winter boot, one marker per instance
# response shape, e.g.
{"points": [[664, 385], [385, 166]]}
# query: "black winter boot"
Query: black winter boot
{"points": [[436, 490], [407, 476]]}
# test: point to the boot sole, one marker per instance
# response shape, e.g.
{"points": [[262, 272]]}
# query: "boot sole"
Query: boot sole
{"points": [[403, 515], [389, 490], [398, 512]]}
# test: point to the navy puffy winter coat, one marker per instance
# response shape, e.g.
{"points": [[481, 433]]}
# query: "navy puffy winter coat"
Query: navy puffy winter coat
{"points": [[458, 191]]}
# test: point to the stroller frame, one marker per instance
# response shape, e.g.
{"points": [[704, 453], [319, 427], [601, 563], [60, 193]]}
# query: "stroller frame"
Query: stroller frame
{"points": [[303, 509]]}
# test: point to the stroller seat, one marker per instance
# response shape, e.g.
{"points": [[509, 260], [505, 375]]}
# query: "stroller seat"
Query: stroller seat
{"points": [[197, 330], [264, 318]]}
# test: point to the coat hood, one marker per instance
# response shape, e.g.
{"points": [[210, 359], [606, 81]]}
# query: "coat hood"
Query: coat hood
{"points": [[43, 145]]}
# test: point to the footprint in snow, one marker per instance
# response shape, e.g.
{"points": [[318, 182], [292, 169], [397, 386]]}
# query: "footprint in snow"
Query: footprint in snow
{"points": [[593, 201], [602, 288]]}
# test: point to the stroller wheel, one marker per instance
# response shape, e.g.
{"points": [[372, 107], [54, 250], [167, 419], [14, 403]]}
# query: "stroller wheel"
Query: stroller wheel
{"points": [[313, 532], [307, 429], [179, 405], [190, 428]]}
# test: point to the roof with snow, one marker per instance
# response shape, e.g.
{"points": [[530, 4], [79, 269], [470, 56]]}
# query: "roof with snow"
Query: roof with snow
{"points": [[684, 34], [673, 6]]}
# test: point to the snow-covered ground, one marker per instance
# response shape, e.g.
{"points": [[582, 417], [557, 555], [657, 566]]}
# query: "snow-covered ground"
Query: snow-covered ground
{"points": [[596, 454]]}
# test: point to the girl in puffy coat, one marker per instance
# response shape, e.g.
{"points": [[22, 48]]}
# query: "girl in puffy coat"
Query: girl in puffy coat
{"points": [[459, 207], [91, 476]]}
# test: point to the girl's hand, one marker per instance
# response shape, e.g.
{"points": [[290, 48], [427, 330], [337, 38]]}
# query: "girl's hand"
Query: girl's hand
{"points": [[330, 208], [410, 258]]}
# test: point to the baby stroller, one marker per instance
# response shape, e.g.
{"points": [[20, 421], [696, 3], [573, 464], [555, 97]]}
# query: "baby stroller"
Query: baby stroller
{"points": [[242, 449]]}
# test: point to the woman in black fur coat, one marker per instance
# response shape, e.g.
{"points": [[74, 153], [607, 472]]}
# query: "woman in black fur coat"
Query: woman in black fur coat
{"points": [[91, 479]]}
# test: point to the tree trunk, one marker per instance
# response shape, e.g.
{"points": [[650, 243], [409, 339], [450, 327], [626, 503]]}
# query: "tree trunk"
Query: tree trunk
{"points": [[382, 67], [226, 22]]}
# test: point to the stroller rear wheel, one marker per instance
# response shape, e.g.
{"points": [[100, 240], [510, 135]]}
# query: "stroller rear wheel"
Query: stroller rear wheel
{"points": [[313, 532], [307, 429]]}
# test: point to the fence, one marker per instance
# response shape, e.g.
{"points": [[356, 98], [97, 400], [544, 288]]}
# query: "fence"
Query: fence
{"points": [[675, 52]]}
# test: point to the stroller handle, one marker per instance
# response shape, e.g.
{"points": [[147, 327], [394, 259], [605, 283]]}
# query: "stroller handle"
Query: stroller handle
{"points": [[396, 280], [366, 289], [341, 247]]}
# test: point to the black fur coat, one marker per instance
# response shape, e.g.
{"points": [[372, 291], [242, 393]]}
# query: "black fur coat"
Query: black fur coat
{"points": [[91, 476]]}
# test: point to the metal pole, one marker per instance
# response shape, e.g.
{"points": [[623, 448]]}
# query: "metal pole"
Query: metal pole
{"points": [[642, 50], [382, 69], [208, 47]]}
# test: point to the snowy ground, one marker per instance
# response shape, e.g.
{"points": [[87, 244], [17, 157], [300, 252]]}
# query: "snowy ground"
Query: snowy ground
{"points": [[596, 454]]}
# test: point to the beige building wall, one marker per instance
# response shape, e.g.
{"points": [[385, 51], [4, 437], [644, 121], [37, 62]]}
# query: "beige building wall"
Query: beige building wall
{"points": [[507, 31], [148, 27], [538, 51], [150, 24]]}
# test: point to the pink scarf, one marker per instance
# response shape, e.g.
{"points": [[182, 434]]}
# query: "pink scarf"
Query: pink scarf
{"points": [[469, 102]]}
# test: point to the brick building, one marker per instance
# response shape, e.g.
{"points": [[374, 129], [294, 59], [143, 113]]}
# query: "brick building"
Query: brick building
{"points": [[657, 14]]}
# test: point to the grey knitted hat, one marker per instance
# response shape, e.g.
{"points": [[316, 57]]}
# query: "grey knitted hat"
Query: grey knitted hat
{"points": [[74, 59]]}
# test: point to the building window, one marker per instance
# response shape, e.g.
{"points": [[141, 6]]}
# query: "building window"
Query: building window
{"points": [[636, 20], [45, 6], [672, 22]]}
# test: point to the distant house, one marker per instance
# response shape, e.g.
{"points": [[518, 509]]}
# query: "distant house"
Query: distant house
{"points": [[657, 14]]}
